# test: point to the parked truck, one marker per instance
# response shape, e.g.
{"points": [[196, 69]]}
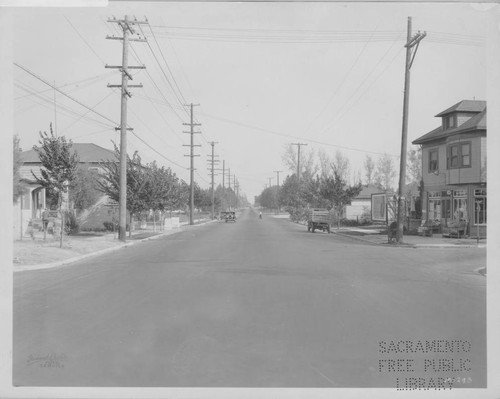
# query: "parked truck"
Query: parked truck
{"points": [[318, 219]]}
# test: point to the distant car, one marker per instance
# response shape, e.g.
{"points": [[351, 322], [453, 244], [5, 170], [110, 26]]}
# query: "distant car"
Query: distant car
{"points": [[228, 216]]}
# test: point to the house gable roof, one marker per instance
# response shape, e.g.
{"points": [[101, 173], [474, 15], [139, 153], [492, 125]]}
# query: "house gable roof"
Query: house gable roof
{"points": [[87, 153], [367, 191], [465, 106], [477, 122]]}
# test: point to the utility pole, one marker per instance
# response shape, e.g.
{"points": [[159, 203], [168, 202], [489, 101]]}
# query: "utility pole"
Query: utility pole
{"points": [[270, 185], [237, 186], [298, 159], [411, 49], [126, 26], [212, 174], [235, 196], [191, 155], [278, 189], [229, 186], [223, 185]]}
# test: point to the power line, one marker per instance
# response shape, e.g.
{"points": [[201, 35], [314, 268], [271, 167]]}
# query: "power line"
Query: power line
{"points": [[71, 113], [85, 41], [153, 149], [168, 67], [159, 90], [91, 80], [292, 136], [181, 101], [341, 83], [357, 89], [63, 93]]}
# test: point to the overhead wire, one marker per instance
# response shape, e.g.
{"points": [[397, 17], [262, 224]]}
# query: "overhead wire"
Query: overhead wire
{"points": [[63, 93], [292, 136], [49, 105], [84, 40], [350, 69], [168, 66], [372, 70]]}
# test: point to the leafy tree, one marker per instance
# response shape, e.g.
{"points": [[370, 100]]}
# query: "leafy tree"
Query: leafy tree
{"points": [[290, 158], [292, 197], [369, 169], [324, 162], [83, 191], [336, 193], [414, 166], [59, 166], [165, 187], [18, 189], [342, 165], [138, 198], [385, 172], [269, 197]]}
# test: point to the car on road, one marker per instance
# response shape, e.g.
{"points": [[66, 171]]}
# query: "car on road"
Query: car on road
{"points": [[228, 216]]}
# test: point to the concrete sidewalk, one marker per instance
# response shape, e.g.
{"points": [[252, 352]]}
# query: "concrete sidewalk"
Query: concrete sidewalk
{"points": [[379, 237], [376, 235], [39, 254]]}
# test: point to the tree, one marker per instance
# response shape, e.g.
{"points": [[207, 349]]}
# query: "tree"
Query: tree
{"points": [[17, 188], [324, 162], [83, 191], [307, 165], [369, 169], [385, 172], [58, 169], [414, 166], [138, 184], [336, 193], [164, 188], [342, 166], [291, 198]]}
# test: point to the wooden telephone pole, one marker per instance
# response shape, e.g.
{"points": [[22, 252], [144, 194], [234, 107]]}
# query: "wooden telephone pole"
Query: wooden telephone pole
{"points": [[213, 161], [298, 158], [126, 25], [411, 49], [192, 155]]}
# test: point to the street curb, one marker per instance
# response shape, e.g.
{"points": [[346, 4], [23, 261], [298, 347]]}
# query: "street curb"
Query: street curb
{"points": [[355, 238], [404, 245], [65, 262]]}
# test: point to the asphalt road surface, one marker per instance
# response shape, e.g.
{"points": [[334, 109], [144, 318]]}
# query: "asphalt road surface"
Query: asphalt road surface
{"points": [[256, 303]]}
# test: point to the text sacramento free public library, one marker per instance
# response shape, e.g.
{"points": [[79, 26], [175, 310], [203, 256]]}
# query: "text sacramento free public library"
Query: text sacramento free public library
{"points": [[433, 346]]}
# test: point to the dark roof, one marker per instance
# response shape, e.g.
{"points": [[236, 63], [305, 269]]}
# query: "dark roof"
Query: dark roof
{"points": [[477, 122], [87, 153], [465, 106], [367, 191]]}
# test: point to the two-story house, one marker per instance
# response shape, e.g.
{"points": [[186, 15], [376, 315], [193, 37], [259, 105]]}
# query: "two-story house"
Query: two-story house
{"points": [[454, 168]]}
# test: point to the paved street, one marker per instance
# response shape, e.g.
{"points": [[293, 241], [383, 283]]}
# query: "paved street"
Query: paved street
{"points": [[257, 303]]}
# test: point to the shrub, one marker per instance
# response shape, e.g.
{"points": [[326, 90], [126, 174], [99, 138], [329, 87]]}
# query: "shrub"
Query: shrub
{"points": [[110, 226], [71, 225]]}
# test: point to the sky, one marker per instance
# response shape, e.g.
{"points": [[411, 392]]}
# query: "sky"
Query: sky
{"points": [[330, 75]]}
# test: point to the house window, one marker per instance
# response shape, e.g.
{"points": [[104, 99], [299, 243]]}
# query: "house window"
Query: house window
{"points": [[449, 122], [458, 156], [465, 154], [433, 160]]}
